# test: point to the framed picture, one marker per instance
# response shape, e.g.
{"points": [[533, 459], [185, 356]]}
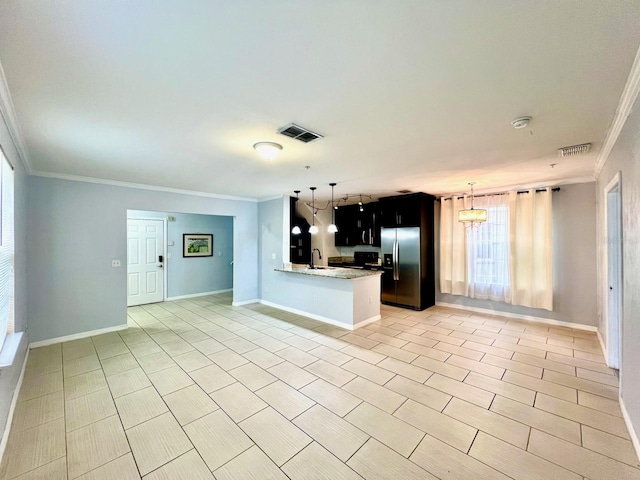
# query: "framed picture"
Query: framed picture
{"points": [[197, 245]]}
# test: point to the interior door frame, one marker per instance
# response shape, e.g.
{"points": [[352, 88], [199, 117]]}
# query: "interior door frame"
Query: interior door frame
{"points": [[164, 251], [613, 192]]}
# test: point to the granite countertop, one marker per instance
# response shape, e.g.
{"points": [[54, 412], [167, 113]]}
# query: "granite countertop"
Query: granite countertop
{"points": [[331, 272]]}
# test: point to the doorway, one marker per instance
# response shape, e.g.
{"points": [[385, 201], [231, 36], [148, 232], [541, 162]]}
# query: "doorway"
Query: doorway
{"points": [[145, 261], [613, 286]]}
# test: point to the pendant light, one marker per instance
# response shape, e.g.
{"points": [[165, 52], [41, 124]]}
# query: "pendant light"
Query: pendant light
{"points": [[332, 228], [313, 229], [472, 217], [296, 228]]}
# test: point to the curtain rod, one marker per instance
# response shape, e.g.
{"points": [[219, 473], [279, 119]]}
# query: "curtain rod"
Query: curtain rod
{"points": [[554, 189]]}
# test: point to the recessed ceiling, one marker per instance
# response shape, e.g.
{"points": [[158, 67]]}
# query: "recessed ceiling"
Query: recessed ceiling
{"points": [[415, 95]]}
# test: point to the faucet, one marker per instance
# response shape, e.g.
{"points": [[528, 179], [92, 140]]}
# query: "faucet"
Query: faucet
{"points": [[319, 256]]}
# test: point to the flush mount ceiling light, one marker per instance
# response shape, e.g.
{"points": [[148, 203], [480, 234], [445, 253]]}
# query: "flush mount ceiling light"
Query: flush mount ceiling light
{"points": [[472, 217], [268, 150], [313, 229], [332, 228], [296, 228]]}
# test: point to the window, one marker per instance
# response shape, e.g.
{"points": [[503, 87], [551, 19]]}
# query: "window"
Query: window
{"points": [[508, 258], [488, 251], [6, 249], [490, 248]]}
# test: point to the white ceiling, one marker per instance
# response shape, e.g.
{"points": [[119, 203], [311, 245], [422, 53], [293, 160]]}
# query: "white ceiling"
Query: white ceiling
{"points": [[414, 95]]}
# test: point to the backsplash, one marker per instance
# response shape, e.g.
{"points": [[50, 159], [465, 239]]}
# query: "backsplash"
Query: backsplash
{"points": [[348, 251]]}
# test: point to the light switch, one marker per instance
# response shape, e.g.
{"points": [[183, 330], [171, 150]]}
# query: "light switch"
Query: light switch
{"points": [[171, 243], [273, 256], [168, 255]]}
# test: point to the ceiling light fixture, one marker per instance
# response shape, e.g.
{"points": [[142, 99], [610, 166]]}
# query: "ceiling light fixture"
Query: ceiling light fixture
{"points": [[472, 217], [313, 229], [267, 150], [296, 228], [332, 228]]}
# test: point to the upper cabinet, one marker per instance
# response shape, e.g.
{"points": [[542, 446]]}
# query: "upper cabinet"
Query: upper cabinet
{"points": [[299, 244], [411, 210], [357, 227]]}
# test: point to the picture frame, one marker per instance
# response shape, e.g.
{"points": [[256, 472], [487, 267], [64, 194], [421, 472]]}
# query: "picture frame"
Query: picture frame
{"points": [[197, 245]]}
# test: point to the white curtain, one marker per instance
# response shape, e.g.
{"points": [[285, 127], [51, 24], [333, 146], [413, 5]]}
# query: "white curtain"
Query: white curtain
{"points": [[488, 250], [530, 245], [453, 248]]}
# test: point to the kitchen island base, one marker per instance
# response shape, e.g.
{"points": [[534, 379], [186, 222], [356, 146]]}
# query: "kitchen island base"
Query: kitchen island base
{"points": [[342, 297]]}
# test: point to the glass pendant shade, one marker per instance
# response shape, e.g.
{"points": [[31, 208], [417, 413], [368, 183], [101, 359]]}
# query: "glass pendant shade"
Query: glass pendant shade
{"points": [[472, 215], [296, 228], [332, 228], [313, 229]]}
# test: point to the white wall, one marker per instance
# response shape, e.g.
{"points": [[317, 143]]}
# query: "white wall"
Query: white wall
{"points": [[190, 276], [574, 261], [273, 220], [77, 228], [9, 376], [625, 158]]}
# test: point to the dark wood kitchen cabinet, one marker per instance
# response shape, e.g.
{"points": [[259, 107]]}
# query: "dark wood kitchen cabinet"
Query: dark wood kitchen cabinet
{"points": [[411, 210], [357, 227], [300, 244]]}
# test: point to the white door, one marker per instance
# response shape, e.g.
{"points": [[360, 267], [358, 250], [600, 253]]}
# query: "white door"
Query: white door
{"points": [[145, 250], [614, 277]]}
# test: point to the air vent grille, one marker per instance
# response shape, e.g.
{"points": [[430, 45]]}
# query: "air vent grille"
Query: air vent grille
{"points": [[574, 150], [299, 133]]}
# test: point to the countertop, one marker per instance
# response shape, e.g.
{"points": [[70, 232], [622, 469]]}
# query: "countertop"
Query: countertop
{"points": [[331, 272]]}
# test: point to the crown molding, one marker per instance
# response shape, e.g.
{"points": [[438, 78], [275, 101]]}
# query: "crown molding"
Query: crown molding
{"points": [[627, 99], [268, 199], [141, 186], [11, 120]]}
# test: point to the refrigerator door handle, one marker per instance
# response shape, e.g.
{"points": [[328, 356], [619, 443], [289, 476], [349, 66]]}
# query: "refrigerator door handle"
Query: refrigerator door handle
{"points": [[396, 275]]}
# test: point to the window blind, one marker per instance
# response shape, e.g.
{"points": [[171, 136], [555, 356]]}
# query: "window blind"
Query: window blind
{"points": [[6, 250]]}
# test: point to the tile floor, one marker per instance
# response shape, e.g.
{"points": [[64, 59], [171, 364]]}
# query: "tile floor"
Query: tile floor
{"points": [[199, 389]]}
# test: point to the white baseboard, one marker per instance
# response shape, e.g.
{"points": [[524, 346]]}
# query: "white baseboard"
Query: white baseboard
{"points": [[12, 408], [363, 323], [245, 302], [194, 295], [320, 318], [632, 432], [548, 321], [77, 336]]}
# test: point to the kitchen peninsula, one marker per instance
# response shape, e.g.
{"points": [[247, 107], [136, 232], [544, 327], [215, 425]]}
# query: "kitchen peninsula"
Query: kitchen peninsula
{"points": [[339, 296]]}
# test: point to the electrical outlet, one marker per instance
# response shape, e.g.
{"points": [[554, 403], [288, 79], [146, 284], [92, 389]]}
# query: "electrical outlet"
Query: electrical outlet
{"points": [[115, 263], [370, 299]]}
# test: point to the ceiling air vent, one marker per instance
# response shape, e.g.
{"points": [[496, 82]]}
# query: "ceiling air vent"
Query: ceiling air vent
{"points": [[574, 150], [299, 133]]}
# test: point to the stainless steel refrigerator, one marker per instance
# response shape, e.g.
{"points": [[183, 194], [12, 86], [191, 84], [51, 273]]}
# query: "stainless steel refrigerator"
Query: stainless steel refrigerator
{"points": [[403, 263]]}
